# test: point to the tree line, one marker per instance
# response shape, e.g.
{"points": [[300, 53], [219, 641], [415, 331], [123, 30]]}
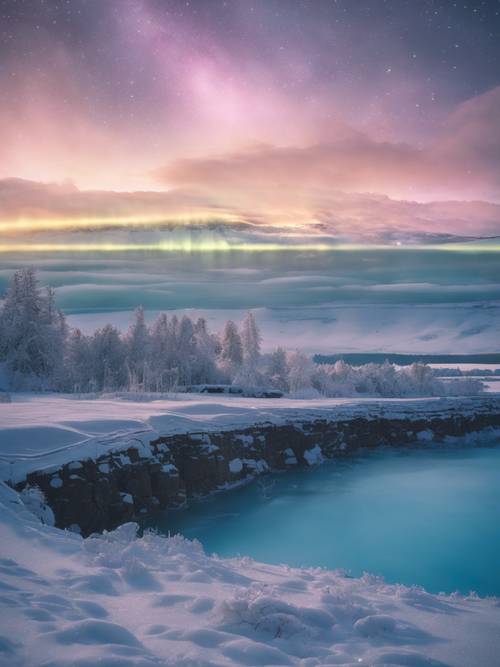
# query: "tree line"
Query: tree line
{"points": [[39, 351]]}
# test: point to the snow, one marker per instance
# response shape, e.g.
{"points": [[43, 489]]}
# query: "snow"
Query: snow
{"points": [[116, 599], [235, 466], [56, 482], [425, 436], [45, 431], [313, 456]]}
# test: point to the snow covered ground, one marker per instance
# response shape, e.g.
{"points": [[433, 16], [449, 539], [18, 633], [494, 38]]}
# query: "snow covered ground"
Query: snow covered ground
{"points": [[43, 431], [119, 601]]}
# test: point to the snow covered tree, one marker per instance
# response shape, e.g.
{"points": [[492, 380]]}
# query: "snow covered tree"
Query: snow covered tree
{"points": [[78, 363], [231, 347], [250, 339], [300, 373], [277, 369], [231, 350], [138, 341], [109, 355], [248, 375], [32, 332], [160, 352], [204, 370], [186, 345]]}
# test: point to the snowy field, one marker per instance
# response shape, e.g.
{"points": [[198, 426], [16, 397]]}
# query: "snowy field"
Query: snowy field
{"points": [[119, 601], [42, 431]]}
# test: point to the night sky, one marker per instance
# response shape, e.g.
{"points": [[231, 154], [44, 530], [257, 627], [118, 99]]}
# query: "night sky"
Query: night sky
{"points": [[225, 103]]}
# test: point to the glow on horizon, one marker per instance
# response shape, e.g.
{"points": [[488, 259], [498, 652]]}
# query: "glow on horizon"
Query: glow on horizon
{"points": [[211, 246], [87, 223]]}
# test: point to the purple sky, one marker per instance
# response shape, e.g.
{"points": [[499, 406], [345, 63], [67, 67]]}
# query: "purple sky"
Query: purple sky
{"points": [[306, 115]]}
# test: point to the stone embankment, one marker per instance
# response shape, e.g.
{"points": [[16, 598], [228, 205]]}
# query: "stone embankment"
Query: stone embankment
{"points": [[132, 483]]}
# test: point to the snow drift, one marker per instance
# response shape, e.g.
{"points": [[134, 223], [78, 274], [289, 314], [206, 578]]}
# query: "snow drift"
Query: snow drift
{"points": [[118, 600]]}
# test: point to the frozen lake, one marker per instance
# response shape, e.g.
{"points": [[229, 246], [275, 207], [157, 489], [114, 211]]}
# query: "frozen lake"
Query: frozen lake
{"points": [[422, 516]]}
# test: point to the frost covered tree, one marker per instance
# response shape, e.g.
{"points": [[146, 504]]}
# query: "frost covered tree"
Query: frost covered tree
{"points": [[231, 354], [78, 363], [32, 332], [109, 355], [138, 343], [186, 346], [160, 353], [277, 369], [250, 340], [248, 375], [300, 373], [204, 369]]}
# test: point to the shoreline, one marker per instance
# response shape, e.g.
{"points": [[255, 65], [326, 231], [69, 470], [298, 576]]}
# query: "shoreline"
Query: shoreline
{"points": [[100, 483]]}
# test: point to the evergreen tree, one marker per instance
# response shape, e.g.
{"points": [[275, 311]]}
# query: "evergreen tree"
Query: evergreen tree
{"points": [[277, 369], [109, 356], [250, 339], [231, 347], [32, 332], [159, 353], [204, 370], [78, 363], [186, 346], [300, 372], [138, 341]]}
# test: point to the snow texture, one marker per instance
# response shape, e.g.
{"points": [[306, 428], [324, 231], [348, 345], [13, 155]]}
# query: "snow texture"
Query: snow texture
{"points": [[44, 431], [118, 600]]}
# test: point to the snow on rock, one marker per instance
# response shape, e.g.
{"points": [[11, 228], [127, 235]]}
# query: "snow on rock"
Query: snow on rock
{"points": [[170, 469], [313, 456], [236, 466], [425, 436], [127, 498], [47, 431], [116, 599], [34, 500]]}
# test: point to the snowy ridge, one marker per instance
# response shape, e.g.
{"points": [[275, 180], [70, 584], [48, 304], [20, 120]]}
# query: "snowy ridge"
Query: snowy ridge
{"points": [[44, 431], [117, 600]]}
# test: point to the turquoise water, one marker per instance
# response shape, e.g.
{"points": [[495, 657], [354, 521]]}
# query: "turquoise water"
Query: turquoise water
{"points": [[426, 516]]}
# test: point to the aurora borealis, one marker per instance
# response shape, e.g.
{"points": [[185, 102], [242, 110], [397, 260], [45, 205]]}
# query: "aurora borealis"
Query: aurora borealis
{"points": [[365, 121]]}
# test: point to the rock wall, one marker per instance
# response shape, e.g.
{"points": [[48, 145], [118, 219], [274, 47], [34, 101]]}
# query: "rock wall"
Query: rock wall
{"points": [[125, 485]]}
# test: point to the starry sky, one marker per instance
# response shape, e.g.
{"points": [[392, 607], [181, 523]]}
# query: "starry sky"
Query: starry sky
{"points": [[320, 116]]}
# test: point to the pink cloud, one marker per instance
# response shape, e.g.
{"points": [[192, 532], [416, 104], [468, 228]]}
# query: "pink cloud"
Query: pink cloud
{"points": [[464, 158]]}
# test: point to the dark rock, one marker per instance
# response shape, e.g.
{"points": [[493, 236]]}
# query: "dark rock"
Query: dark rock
{"points": [[123, 486]]}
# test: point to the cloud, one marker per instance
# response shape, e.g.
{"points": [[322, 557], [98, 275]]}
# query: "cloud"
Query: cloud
{"points": [[23, 201], [271, 214], [351, 187], [471, 139], [464, 158]]}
